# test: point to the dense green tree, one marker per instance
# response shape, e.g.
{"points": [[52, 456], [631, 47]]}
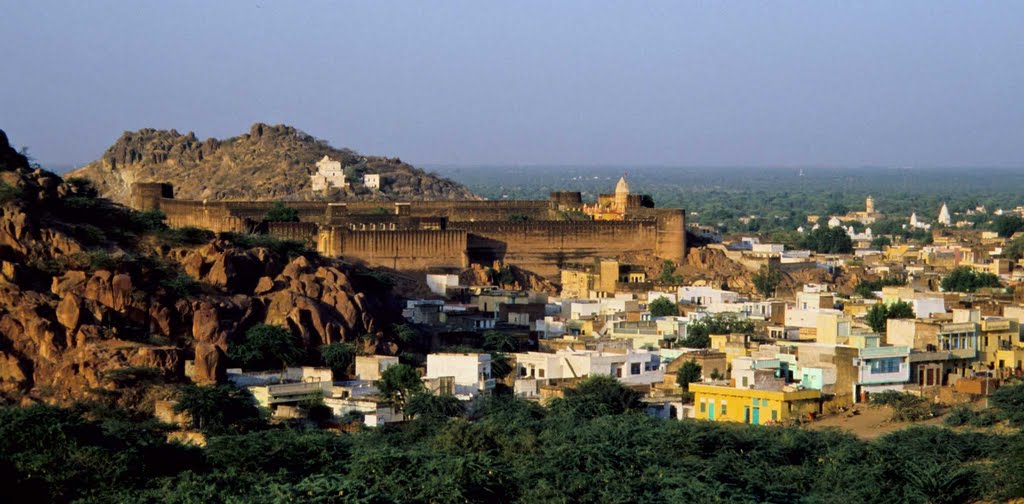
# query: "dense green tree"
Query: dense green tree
{"points": [[964, 279], [398, 383], [266, 347], [663, 307], [500, 341], [688, 373], [826, 240], [219, 409], [1014, 250], [668, 273], [878, 315], [278, 212], [866, 288], [1007, 225], [880, 242], [425, 404], [767, 280], [339, 357], [598, 395], [698, 332]]}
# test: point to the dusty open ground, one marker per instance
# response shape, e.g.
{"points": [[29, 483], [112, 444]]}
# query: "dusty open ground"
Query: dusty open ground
{"points": [[870, 423]]}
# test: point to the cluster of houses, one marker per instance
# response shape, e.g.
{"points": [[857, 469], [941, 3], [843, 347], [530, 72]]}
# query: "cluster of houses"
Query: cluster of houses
{"points": [[807, 354]]}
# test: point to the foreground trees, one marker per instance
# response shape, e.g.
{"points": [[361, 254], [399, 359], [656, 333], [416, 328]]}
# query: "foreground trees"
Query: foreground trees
{"points": [[592, 446]]}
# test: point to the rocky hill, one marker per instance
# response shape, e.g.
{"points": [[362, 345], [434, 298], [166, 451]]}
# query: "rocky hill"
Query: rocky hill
{"points": [[90, 290], [269, 162]]}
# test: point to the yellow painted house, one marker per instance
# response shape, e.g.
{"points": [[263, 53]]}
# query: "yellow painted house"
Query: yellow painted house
{"points": [[730, 404]]}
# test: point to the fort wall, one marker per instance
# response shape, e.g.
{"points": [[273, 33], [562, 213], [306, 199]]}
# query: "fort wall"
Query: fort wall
{"points": [[544, 247], [400, 250], [464, 231]]}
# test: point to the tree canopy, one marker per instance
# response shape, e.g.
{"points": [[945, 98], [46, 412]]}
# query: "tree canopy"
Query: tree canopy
{"points": [[663, 307], [688, 373], [698, 332], [266, 347], [278, 212], [964, 279], [399, 383], [766, 280], [879, 314], [826, 240]]}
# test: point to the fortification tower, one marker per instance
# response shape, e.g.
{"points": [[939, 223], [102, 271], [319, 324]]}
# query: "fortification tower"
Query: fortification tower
{"points": [[869, 205], [622, 194], [146, 196]]}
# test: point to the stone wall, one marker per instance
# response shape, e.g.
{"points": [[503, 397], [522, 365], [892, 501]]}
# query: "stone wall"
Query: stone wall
{"points": [[400, 250], [477, 231], [543, 247]]}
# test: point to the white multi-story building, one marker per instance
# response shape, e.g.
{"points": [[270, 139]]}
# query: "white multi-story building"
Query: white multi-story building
{"points": [[329, 173], [630, 367], [372, 181], [470, 372]]}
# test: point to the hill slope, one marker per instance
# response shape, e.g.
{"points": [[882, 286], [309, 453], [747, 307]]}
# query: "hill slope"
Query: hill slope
{"points": [[269, 162], [90, 289]]}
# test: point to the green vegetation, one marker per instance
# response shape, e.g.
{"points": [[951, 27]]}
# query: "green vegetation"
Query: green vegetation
{"points": [[518, 218], [1007, 225], [964, 279], [339, 357], [592, 446], [288, 248], [767, 280], [9, 193], [1009, 401], [278, 212], [399, 383], [668, 273], [266, 347], [688, 373], [878, 315], [826, 240], [219, 409], [502, 276], [867, 288], [182, 285], [663, 307], [698, 333], [880, 242], [906, 407]]}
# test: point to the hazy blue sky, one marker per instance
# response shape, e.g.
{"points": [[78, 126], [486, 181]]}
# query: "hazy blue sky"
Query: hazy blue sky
{"points": [[572, 82]]}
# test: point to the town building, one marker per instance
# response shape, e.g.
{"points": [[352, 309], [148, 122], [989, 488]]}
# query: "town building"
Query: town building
{"points": [[329, 174]]}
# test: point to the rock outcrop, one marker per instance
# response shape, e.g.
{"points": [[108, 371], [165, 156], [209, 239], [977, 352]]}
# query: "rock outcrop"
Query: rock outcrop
{"points": [[268, 163], [87, 292]]}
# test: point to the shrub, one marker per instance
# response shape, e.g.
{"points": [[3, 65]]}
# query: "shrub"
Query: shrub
{"points": [[267, 346], [959, 415], [906, 407], [278, 212], [9, 193], [185, 236], [290, 248], [182, 285]]}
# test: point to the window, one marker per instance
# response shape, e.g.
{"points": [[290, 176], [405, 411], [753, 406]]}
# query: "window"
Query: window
{"points": [[522, 371], [540, 373], [775, 415], [887, 365], [618, 372], [723, 407], [745, 384], [703, 406], [634, 368]]}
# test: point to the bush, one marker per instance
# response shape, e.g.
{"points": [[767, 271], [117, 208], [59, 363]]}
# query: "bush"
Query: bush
{"points": [[289, 248], [959, 415], [906, 407], [182, 286], [1009, 401], [984, 418], [266, 347], [278, 212], [185, 236], [9, 193]]}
